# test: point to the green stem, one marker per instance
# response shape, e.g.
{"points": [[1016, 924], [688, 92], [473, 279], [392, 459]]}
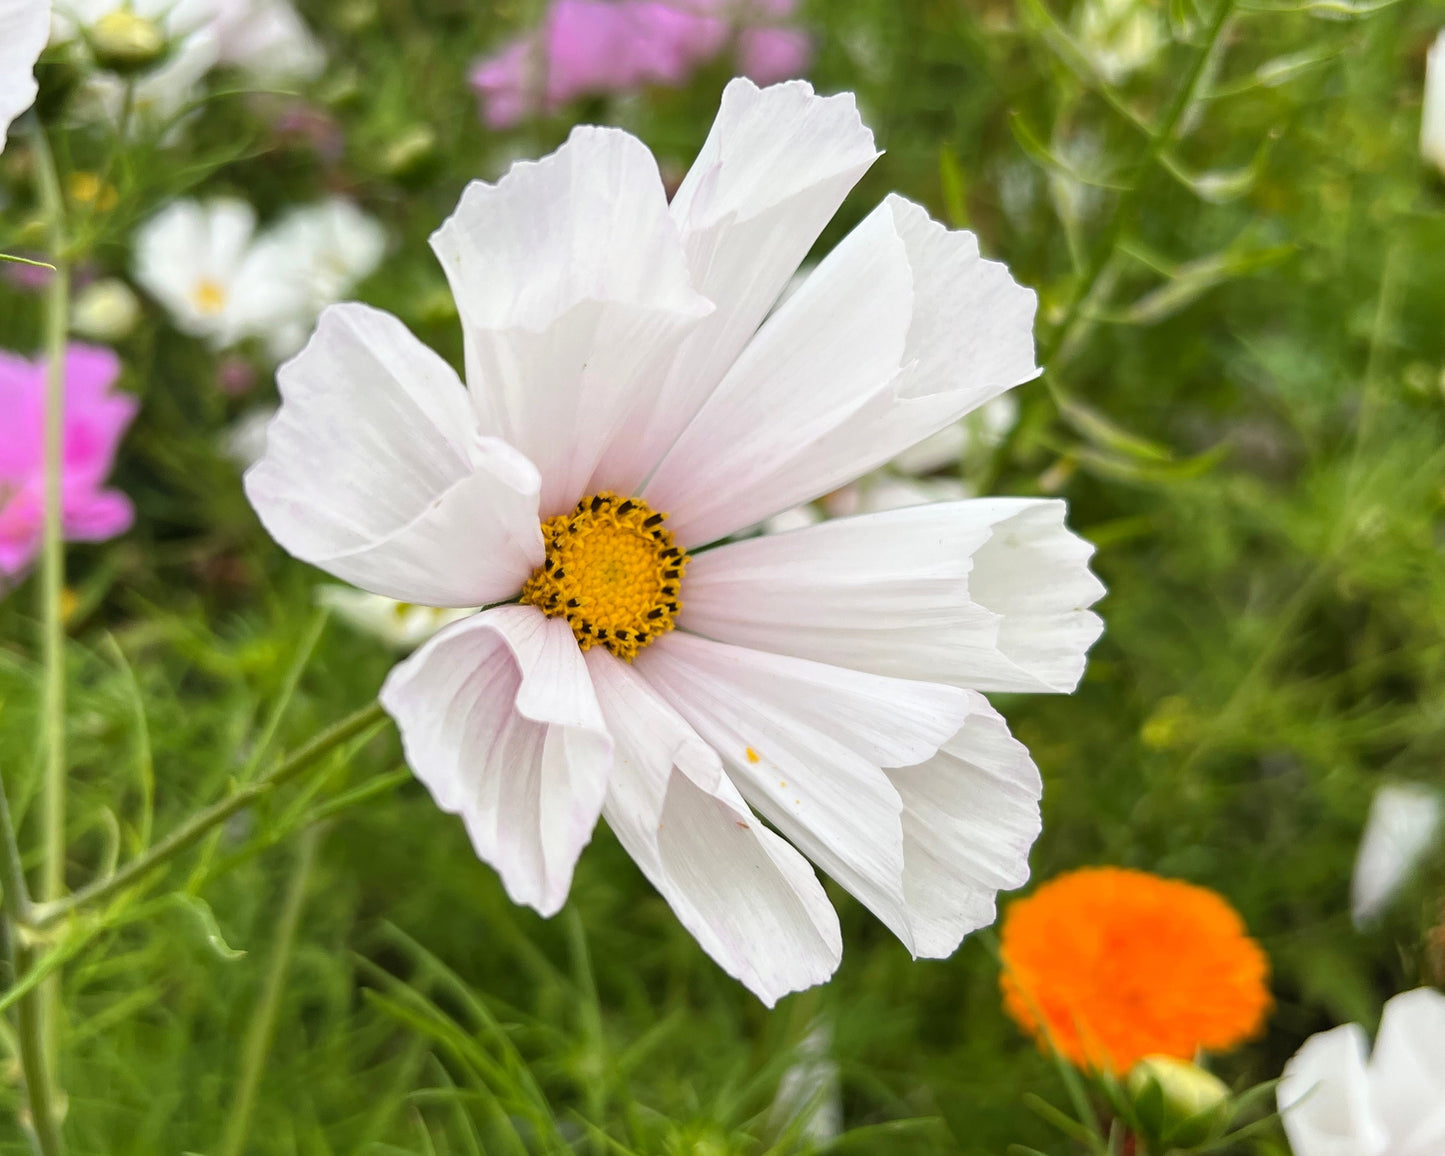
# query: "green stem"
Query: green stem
{"points": [[263, 1023], [203, 821], [40, 1094]]}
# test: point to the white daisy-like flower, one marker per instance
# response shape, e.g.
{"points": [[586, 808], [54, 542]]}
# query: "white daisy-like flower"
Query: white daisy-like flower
{"points": [[325, 249], [400, 625], [24, 27], [1338, 1099], [627, 404], [1432, 114], [1403, 824], [201, 260]]}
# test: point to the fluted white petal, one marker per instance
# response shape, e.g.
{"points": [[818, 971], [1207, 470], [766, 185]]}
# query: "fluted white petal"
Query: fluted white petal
{"points": [[750, 900], [499, 721], [1403, 824], [24, 29], [970, 816], [901, 330], [990, 594], [807, 743], [374, 471], [1407, 1072], [1324, 1098], [776, 165], [574, 296]]}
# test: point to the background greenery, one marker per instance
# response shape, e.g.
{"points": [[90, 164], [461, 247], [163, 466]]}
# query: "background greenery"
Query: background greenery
{"points": [[1241, 264]]}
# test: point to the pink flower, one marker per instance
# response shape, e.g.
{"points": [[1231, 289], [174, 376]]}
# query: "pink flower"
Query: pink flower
{"points": [[604, 46], [95, 418]]}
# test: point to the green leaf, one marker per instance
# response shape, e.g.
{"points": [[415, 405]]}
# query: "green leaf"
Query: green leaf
{"points": [[206, 921]]}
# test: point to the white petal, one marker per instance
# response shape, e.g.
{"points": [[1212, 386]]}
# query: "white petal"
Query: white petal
{"points": [[574, 296], [773, 171], [1404, 821], [189, 246], [970, 815], [373, 471], [901, 330], [24, 29], [498, 719], [1324, 1098], [1407, 1072], [749, 899], [988, 594], [1432, 116], [806, 743]]}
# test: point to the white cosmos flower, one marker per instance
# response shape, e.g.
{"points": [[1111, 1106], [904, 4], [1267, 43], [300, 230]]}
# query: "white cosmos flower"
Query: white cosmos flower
{"points": [[1432, 116], [1338, 1099], [24, 26], [1404, 821], [201, 261], [619, 370]]}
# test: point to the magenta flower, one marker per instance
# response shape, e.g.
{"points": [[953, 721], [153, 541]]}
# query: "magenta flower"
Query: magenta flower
{"points": [[593, 47], [96, 416]]}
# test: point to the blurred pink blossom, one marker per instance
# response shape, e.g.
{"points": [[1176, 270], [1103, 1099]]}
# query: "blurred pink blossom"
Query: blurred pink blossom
{"points": [[96, 416], [604, 46]]}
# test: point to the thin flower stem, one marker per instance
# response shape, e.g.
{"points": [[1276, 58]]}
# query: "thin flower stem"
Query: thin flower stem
{"points": [[263, 1023], [40, 1095], [203, 821]]}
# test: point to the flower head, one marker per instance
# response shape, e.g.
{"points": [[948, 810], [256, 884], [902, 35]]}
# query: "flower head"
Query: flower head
{"points": [[1110, 966], [631, 396], [95, 418], [1338, 1099], [594, 47], [24, 27]]}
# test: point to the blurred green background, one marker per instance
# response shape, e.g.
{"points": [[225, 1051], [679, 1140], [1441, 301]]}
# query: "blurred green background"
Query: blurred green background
{"points": [[1240, 259]]}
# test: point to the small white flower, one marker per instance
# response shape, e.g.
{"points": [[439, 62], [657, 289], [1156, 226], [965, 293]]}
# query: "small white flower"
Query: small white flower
{"points": [[1337, 1099], [620, 371], [326, 249], [401, 625], [1404, 820], [105, 310], [1120, 36], [24, 26], [1432, 116]]}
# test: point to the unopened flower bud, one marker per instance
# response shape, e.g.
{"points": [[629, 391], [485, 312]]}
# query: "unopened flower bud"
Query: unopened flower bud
{"points": [[126, 43], [1180, 1103], [105, 310], [409, 155]]}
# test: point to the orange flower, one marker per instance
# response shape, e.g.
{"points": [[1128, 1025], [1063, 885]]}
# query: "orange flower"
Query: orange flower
{"points": [[1123, 964]]}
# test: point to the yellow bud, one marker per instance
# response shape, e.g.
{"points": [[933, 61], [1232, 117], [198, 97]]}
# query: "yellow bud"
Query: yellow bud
{"points": [[1179, 1102], [124, 42]]}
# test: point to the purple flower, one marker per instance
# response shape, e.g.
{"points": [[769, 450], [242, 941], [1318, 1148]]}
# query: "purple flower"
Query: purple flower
{"points": [[96, 416], [604, 46]]}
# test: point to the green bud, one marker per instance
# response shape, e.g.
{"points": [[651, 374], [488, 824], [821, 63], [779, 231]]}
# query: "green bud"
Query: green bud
{"points": [[1179, 1104], [126, 43], [411, 154]]}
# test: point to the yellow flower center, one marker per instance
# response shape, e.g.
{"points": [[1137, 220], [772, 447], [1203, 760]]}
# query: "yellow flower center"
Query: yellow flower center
{"points": [[611, 571], [209, 296]]}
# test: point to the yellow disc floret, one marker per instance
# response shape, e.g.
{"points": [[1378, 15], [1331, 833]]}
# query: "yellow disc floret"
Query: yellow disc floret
{"points": [[612, 571]]}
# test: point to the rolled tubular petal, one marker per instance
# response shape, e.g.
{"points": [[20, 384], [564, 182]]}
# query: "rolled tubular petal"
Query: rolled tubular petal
{"points": [[374, 472], [499, 720], [773, 171], [970, 816], [574, 296], [1324, 1098], [1407, 1072], [807, 744], [988, 594], [751, 901], [901, 330]]}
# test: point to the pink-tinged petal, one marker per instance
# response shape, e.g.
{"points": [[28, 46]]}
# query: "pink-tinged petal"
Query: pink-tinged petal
{"points": [[1407, 1072], [96, 515], [751, 901], [509, 82], [374, 471], [21, 516], [773, 171], [1324, 1098], [96, 416], [989, 594], [970, 816], [574, 298], [22, 399], [807, 744], [499, 720], [900, 331], [768, 55]]}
